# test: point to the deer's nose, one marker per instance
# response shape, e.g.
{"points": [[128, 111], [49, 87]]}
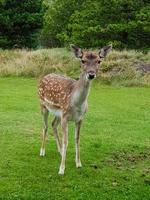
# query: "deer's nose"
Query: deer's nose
{"points": [[91, 75]]}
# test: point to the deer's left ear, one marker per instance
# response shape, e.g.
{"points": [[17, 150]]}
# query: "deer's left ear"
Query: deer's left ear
{"points": [[105, 50], [76, 50]]}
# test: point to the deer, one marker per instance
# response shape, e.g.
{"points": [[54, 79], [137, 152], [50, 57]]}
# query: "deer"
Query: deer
{"points": [[66, 98]]}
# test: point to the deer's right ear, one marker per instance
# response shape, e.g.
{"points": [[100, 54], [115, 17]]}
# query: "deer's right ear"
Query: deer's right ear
{"points": [[76, 50]]}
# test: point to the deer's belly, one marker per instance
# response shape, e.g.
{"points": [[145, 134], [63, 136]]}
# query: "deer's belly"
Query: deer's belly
{"points": [[56, 112], [54, 109]]}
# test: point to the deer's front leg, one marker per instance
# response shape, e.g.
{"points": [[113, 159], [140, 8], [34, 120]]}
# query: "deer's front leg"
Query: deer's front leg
{"points": [[77, 143], [64, 125]]}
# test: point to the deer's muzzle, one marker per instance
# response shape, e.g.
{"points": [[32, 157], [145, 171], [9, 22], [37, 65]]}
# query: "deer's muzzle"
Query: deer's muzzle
{"points": [[91, 75]]}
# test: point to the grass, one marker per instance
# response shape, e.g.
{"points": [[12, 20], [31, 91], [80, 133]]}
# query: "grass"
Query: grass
{"points": [[115, 146], [119, 68]]}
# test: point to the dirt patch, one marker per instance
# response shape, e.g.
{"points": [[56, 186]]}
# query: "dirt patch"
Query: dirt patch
{"points": [[142, 67], [147, 181], [123, 158], [138, 66], [145, 172]]}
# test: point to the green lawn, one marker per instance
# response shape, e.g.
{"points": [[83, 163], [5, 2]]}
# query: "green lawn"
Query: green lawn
{"points": [[115, 146]]}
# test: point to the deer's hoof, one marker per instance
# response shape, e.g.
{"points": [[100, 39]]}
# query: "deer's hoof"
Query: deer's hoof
{"points": [[61, 172], [42, 152], [78, 165]]}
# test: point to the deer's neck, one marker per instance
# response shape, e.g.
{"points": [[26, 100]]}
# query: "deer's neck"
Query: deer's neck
{"points": [[81, 90]]}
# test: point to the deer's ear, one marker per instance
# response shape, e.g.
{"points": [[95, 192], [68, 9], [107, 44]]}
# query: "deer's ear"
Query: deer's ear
{"points": [[76, 50], [104, 51]]}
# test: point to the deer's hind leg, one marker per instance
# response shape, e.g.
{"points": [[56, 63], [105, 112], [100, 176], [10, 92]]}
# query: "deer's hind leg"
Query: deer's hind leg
{"points": [[45, 114], [55, 124]]}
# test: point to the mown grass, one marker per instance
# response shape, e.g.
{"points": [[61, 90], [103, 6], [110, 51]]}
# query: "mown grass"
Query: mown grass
{"points": [[115, 146], [119, 68]]}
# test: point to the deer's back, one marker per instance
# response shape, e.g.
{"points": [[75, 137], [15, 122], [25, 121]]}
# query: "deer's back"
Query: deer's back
{"points": [[55, 90]]}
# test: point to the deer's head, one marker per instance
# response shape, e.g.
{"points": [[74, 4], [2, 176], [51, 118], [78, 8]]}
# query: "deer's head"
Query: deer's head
{"points": [[90, 61]]}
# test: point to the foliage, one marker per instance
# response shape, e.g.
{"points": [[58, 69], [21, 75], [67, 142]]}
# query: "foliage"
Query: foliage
{"points": [[125, 23], [20, 22], [56, 20], [114, 146]]}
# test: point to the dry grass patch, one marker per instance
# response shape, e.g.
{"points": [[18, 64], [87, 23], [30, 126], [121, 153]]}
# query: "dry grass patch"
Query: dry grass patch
{"points": [[128, 68]]}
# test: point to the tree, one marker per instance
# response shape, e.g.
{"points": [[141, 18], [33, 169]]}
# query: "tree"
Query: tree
{"points": [[56, 21], [124, 23], [20, 22]]}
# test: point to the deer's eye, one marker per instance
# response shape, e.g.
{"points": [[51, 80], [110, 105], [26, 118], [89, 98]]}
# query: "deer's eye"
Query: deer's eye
{"points": [[83, 61], [99, 61]]}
